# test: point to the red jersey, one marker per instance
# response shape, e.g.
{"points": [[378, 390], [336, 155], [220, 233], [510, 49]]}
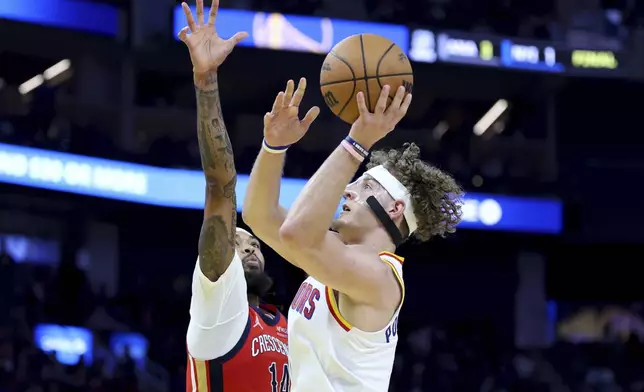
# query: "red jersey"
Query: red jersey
{"points": [[257, 363]]}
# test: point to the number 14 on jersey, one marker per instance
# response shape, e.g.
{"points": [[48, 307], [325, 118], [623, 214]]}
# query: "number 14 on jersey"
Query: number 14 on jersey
{"points": [[284, 385]]}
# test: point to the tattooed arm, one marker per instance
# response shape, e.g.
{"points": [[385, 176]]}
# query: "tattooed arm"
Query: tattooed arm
{"points": [[219, 311], [217, 237], [219, 304]]}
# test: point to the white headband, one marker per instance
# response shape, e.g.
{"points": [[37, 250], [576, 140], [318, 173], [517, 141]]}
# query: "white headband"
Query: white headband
{"points": [[240, 230], [397, 191]]}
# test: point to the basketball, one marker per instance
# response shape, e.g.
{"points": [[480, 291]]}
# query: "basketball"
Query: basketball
{"points": [[364, 62]]}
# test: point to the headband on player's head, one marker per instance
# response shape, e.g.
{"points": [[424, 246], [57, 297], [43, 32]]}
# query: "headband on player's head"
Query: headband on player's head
{"points": [[396, 190], [240, 230]]}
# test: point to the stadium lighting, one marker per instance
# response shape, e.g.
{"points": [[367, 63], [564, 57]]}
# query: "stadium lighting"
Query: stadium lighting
{"points": [[490, 117], [31, 84], [49, 74], [57, 69]]}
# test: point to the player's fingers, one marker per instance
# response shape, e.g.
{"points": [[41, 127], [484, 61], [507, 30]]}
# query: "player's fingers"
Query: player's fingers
{"points": [[279, 102], [288, 93], [362, 105], [235, 39], [381, 105], [395, 104], [299, 93], [310, 116], [200, 12], [405, 105], [214, 9], [189, 17], [183, 34]]}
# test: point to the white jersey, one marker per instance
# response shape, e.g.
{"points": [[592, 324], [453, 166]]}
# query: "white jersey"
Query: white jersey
{"points": [[327, 354]]}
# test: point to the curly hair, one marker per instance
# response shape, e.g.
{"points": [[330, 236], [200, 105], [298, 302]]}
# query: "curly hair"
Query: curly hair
{"points": [[435, 196]]}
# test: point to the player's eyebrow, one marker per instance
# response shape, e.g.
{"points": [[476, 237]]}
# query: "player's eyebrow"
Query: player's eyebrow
{"points": [[370, 180]]}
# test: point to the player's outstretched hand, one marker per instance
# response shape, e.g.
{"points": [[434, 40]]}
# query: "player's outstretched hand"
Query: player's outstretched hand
{"points": [[282, 126], [207, 49], [371, 127]]}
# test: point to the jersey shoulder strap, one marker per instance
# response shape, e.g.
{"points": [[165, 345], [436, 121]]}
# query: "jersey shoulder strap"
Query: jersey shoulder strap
{"points": [[396, 263]]}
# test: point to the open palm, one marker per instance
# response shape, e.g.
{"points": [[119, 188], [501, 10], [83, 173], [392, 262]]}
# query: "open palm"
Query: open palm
{"points": [[282, 126], [207, 49]]}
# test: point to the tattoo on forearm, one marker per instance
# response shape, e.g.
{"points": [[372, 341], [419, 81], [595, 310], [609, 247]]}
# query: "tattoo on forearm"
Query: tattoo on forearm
{"points": [[217, 237], [229, 189], [215, 251], [214, 143], [233, 226]]}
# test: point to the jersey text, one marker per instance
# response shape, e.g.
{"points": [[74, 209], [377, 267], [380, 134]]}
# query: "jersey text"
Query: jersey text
{"points": [[392, 330], [305, 300], [267, 343]]}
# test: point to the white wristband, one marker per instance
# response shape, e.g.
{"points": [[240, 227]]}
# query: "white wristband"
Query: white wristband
{"points": [[273, 149]]}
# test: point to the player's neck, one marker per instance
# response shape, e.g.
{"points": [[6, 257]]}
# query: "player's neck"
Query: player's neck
{"points": [[253, 300], [377, 240]]}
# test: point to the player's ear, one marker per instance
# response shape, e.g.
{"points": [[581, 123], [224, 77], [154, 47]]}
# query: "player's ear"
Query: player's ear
{"points": [[396, 209]]}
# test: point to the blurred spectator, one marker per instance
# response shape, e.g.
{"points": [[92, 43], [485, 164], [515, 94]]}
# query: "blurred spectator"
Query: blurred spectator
{"points": [[458, 356]]}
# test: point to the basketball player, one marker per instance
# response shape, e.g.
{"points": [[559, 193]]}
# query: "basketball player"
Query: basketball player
{"points": [[234, 345], [343, 320]]}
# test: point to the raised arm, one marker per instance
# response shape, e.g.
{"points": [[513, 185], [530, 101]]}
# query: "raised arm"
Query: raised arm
{"points": [[207, 52], [282, 128], [217, 236], [346, 268], [219, 304]]}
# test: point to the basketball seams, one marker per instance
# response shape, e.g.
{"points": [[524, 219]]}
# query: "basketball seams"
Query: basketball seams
{"points": [[378, 76], [380, 61], [364, 65], [336, 81], [367, 78], [343, 60]]}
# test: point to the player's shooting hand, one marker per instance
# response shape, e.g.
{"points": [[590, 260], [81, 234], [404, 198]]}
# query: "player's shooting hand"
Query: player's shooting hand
{"points": [[282, 126], [371, 127], [207, 49]]}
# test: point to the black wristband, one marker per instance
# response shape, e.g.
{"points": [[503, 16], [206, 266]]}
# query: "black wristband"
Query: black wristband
{"points": [[357, 146]]}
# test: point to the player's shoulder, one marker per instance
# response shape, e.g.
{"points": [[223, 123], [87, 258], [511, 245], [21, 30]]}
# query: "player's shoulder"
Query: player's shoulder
{"points": [[393, 284]]}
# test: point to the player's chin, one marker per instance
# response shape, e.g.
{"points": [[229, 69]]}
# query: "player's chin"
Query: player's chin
{"points": [[258, 283], [338, 224], [252, 270]]}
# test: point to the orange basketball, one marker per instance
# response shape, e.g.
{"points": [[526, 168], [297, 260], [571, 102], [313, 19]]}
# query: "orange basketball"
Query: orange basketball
{"points": [[364, 62]]}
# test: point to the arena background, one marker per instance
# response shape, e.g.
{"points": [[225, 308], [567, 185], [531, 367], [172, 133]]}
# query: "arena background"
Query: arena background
{"points": [[534, 106]]}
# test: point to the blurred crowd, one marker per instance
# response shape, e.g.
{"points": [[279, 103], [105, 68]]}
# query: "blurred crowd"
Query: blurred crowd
{"points": [[469, 357], [33, 294], [455, 356]]}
